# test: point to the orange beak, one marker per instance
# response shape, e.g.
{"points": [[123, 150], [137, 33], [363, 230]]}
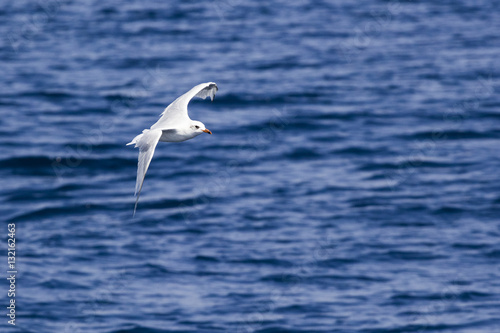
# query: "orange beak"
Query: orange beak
{"points": [[206, 130]]}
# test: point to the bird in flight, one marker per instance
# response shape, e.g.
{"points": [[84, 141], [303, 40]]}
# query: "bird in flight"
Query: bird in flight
{"points": [[174, 125]]}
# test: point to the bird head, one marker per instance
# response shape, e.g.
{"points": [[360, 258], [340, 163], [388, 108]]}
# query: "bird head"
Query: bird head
{"points": [[198, 127]]}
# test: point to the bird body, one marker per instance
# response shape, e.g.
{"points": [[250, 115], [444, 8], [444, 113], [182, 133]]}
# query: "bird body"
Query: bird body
{"points": [[174, 125]]}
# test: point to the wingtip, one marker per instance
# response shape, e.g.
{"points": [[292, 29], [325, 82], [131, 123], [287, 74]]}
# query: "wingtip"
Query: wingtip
{"points": [[135, 208], [212, 94]]}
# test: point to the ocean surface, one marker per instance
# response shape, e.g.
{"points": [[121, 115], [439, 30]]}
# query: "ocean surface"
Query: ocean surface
{"points": [[351, 183]]}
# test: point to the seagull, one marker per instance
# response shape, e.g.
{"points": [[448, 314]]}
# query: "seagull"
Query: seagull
{"points": [[174, 125]]}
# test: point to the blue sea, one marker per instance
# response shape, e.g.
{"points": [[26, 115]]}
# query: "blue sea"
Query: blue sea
{"points": [[351, 183]]}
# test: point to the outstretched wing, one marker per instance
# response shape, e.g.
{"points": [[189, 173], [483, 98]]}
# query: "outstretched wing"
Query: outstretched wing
{"points": [[177, 112], [147, 143]]}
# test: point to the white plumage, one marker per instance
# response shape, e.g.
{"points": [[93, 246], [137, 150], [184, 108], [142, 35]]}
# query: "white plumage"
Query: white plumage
{"points": [[174, 125]]}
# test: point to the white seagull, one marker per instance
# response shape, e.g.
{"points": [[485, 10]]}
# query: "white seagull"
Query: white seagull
{"points": [[174, 125]]}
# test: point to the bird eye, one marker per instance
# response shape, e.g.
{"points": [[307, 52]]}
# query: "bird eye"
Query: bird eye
{"points": [[197, 126]]}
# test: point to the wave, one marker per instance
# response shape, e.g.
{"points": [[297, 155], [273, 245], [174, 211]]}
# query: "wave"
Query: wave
{"points": [[442, 135]]}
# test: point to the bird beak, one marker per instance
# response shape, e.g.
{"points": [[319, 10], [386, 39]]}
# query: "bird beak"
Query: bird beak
{"points": [[206, 130]]}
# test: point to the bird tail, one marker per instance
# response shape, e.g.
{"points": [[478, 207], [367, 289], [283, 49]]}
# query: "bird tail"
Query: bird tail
{"points": [[137, 138]]}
